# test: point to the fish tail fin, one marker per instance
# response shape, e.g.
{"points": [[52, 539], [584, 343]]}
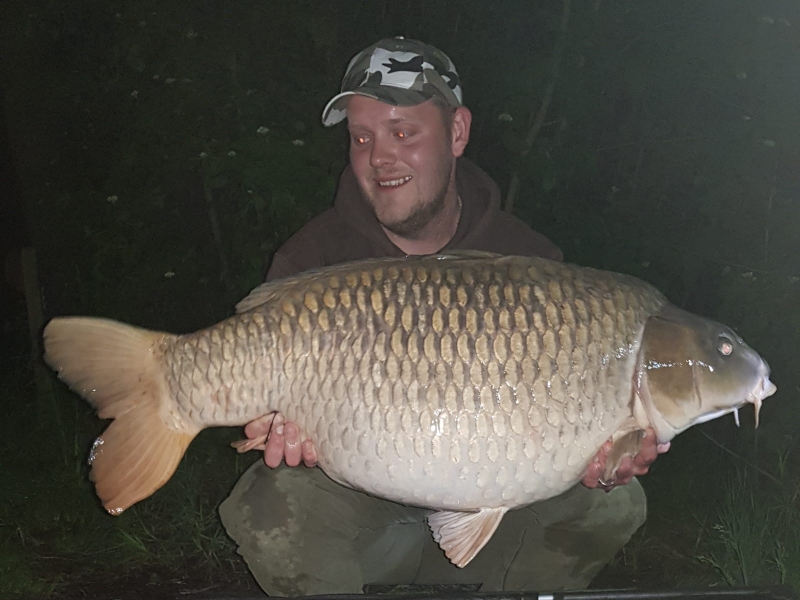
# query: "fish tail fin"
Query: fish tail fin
{"points": [[118, 369]]}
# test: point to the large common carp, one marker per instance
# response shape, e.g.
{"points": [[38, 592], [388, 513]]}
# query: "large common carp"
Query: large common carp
{"points": [[470, 385]]}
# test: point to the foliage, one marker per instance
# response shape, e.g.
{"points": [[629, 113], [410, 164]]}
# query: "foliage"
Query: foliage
{"points": [[756, 537]]}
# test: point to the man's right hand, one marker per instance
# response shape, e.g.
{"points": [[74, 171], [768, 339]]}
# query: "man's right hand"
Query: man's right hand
{"points": [[279, 440]]}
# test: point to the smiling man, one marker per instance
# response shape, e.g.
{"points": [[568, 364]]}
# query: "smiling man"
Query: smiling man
{"points": [[408, 190], [404, 162]]}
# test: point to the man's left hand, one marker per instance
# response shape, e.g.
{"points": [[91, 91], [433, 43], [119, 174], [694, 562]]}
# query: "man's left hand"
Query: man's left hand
{"points": [[628, 468]]}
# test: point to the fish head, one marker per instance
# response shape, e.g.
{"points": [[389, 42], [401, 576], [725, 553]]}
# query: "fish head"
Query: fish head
{"points": [[692, 369]]}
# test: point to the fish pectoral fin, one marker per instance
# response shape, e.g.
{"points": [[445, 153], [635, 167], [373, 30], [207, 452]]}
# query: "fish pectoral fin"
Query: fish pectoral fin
{"points": [[259, 443], [628, 444], [462, 534]]}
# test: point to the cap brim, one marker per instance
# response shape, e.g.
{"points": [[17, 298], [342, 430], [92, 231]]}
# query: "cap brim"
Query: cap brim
{"points": [[335, 111]]}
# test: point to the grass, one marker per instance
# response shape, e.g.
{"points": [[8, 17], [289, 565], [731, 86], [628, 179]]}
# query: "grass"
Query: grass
{"points": [[756, 537], [715, 519], [18, 578]]}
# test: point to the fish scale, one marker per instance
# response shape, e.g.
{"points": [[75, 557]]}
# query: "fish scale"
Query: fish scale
{"points": [[483, 299], [470, 385]]}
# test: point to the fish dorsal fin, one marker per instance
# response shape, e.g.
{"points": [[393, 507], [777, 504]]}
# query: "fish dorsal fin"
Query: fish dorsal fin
{"points": [[261, 294], [278, 287], [271, 289], [462, 534], [468, 254]]}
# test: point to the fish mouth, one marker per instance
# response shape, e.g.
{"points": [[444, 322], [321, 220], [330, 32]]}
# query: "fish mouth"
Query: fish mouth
{"points": [[764, 389]]}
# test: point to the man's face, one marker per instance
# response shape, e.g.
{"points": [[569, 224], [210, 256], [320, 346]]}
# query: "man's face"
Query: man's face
{"points": [[404, 161]]}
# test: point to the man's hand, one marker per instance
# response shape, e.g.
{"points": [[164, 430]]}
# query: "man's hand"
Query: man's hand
{"points": [[279, 440], [628, 468]]}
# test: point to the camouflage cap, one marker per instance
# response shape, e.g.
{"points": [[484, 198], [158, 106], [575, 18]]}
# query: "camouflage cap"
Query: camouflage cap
{"points": [[399, 72]]}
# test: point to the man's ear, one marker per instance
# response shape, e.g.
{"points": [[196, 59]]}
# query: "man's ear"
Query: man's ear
{"points": [[462, 120]]}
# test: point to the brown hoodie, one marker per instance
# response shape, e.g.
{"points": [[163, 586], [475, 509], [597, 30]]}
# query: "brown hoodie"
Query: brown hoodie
{"points": [[350, 230]]}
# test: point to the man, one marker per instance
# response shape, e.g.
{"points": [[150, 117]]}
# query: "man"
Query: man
{"points": [[407, 191]]}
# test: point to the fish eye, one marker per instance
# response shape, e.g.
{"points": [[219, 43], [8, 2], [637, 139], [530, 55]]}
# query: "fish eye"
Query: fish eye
{"points": [[725, 346]]}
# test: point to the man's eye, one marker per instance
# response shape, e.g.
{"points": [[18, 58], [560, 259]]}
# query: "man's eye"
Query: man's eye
{"points": [[360, 140], [402, 135]]}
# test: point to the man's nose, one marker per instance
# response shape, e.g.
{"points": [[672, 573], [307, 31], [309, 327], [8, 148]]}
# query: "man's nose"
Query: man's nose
{"points": [[382, 154]]}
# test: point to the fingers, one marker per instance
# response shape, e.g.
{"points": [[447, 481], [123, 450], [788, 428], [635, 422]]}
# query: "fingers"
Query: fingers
{"points": [[259, 427], [284, 444], [309, 453], [291, 445], [626, 471], [628, 467], [591, 476], [273, 455]]}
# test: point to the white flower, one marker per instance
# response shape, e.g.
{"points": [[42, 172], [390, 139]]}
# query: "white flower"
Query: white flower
{"points": [[262, 130], [767, 19], [156, 77], [645, 263], [169, 274], [169, 80], [768, 143], [505, 117], [298, 143], [191, 34], [741, 75], [204, 155], [135, 94], [231, 153], [112, 199]]}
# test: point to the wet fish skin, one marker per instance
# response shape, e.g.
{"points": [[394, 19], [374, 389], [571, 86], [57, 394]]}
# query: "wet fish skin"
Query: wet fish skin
{"points": [[437, 371], [457, 383]]}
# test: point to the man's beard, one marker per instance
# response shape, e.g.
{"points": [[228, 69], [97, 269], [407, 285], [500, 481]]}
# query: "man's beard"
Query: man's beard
{"points": [[423, 213]]}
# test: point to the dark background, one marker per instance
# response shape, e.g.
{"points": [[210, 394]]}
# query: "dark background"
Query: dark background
{"points": [[155, 154]]}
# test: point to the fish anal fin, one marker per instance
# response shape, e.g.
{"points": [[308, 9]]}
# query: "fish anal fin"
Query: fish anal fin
{"points": [[259, 443], [462, 534]]}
